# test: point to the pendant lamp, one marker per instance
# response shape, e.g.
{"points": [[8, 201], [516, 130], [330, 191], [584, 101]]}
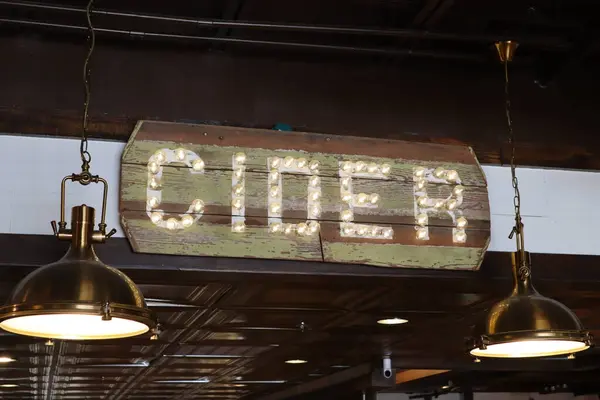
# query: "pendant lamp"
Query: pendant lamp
{"points": [[526, 324], [79, 297]]}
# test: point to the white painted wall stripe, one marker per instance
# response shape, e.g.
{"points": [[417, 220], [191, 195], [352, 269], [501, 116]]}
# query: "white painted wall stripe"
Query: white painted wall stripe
{"points": [[560, 208]]}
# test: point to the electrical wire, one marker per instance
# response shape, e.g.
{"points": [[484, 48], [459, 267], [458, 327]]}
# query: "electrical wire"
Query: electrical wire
{"points": [[86, 158]]}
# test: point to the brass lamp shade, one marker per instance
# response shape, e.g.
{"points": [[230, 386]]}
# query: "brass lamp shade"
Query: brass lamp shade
{"points": [[77, 297], [527, 324]]}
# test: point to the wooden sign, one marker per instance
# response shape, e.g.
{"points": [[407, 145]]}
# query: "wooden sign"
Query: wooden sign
{"points": [[234, 192]]}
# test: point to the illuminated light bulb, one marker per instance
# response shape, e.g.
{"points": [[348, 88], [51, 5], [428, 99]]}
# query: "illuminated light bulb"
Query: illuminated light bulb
{"points": [[198, 206], [451, 175], [374, 198], [347, 197], [154, 183], [301, 162], [461, 222], [288, 161], [439, 204], [314, 164], [275, 208], [439, 172], [239, 226], [315, 195], [361, 231], [238, 189], [372, 168], [180, 154], [421, 184], [289, 228], [347, 215], [419, 172], [422, 201], [374, 231], [187, 221], [276, 227], [274, 191], [314, 227], [153, 167], [301, 228], [156, 217], [238, 173], [236, 203], [388, 233], [451, 204], [460, 236], [458, 189], [347, 166], [275, 162], [274, 176], [422, 233], [198, 164], [153, 202], [348, 230], [240, 158], [346, 182], [360, 166], [385, 168], [172, 224], [315, 211], [160, 156], [362, 198], [422, 219], [314, 181]]}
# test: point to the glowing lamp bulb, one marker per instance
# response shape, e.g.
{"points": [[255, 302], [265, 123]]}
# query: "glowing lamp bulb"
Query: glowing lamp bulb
{"points": [[347, 197], [362, 198], [274, 191], [238, 189], [315, 195], [439, 172], [302, 228], [314, 165], [421, 184], [451, 204], [301, 162], [345, 182], [374, 198], [236, 203], [385, 168], [419, 172], [274, 176], [439, 204], [372, 168], [172, 224], [422, 219], [461, 222], [180, 154], [153, 202], [460, 236], [187, 221], [240, 158], [275, 227], [458, 189], [156, 217], [422, 201], [198, 164], [275, 162], [314, 181], [347, 166], [153, 167], [315, 211], [422, 233], [388, 233], [348, 230], [374, 231], [153, 183], [452, 175], [239, 226], [360, 166], [238, 173], [288, 161], [198, 206], [347, 215], [361, 231], [314, 226], [289, 228], [275, 208], [160, 156]]}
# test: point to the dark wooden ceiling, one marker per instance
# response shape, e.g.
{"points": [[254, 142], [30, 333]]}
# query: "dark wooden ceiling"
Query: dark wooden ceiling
{"points": [[234, 322]]}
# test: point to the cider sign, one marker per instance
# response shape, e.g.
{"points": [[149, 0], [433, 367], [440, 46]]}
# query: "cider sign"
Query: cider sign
{"points": [[237, 192]]}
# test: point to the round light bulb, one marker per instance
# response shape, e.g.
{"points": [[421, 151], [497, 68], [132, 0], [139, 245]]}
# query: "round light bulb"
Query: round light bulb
{"points": [[153, 167], [198, 164], [348, 230], [439, 172], [275, 208], [372, 168], [180, 154], [345, 182], [347, 197], [238, 173], [301, 228], [419, 172], [388, 233], [154, 183], [451, 204], [315, 211], [239, 226], [275, 227], [385, 168], [422, 219], [374, 231], [347, 166], [314, 165], [314, 181], [458, 189], [347, 215], [156, 217], [360, 166], [198, 206], [172, 224], [288, 161], [289, 228], [439, 204], [361, 231], [422, 201], [421, 184], [160, 156], [301, 162], [460, 236], [240, 158], [274, 191], [274, 176], [236, 203], [187, 221], [374, 198], [315, 195], [275, 162], [238, 189], [153, 202], [451, 175], [362, 198], [314, 226], [461, 222], [422, 233]]}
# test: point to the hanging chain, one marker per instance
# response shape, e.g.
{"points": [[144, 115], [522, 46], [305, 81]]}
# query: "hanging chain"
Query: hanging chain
{"points": [[517, 230], [86, 158]]}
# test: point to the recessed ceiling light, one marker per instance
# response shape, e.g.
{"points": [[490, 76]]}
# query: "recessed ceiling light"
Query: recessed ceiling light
{"points": [[9, 385], [296, 361], [203, 380], [445, 387], [392, 321], [4, 360]]}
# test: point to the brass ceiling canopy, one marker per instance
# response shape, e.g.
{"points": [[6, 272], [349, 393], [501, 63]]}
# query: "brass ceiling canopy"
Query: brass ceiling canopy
{"points": [[79, 297], [526, 324]]}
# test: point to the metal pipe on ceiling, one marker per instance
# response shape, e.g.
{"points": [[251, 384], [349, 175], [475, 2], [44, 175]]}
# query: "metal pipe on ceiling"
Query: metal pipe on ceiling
{"points": [[298, 45], [217, 23]]}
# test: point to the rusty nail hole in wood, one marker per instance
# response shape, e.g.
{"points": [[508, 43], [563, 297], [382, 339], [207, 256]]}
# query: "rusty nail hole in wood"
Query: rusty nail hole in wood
{"points": [[221, 138]]}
